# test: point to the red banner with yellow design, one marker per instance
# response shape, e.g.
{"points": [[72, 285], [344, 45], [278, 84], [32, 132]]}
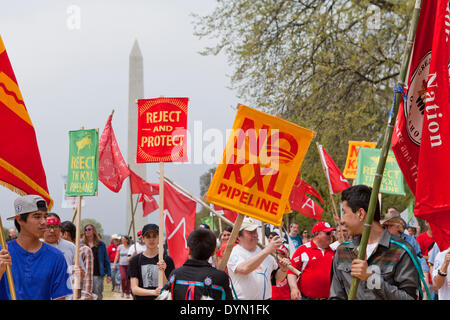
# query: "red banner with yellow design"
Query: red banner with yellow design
{"points": [[259, 166], [21, 167]]}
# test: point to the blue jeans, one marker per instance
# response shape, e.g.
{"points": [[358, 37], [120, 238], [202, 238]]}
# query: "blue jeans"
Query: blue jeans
{"points": [[97, 287], [115, 277]]}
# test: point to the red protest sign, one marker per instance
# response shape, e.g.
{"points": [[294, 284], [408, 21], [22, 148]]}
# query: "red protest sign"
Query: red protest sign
{"points": [[162, 124]]}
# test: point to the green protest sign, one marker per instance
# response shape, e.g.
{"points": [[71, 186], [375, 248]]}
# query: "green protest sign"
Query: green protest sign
{"points": [[82, 177], [392, 181]]}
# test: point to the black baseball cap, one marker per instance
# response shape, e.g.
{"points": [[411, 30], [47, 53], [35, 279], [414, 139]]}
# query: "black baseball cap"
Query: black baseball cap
{"points": [[151, 227]]}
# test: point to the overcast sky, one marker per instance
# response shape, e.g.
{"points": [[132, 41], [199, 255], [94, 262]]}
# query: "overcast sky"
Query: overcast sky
{"points": [[73, 75]]}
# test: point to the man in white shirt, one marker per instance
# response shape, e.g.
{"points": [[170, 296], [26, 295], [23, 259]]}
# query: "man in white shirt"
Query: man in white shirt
{"points": [[441, 279], [52, 236], [138, 247], [252, 270]]}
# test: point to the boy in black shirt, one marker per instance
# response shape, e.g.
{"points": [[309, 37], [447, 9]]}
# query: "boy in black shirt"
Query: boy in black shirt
{"points": [[143, 268], [197, 279]]}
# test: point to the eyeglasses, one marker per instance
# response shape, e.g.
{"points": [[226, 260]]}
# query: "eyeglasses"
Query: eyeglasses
{"points": [[88, 229]]}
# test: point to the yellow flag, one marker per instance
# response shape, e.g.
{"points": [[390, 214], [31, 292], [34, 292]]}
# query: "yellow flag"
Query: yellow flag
{"points": [[261, 160]]}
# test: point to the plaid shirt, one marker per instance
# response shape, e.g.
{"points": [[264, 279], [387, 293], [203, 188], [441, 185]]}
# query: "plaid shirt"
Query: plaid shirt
{"points": [[87, 283], [394, 276]]}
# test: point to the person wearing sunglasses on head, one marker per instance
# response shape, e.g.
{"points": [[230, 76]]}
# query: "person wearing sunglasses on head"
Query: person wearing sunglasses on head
{"points": [[102, 266], [39, 271], [313, 259]]}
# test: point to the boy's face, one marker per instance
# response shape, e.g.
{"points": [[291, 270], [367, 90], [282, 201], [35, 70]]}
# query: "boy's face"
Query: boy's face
{"points": [[151, 239], [352, 220], [35, 225]]}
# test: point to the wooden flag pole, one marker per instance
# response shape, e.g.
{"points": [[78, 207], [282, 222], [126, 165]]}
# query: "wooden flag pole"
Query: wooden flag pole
{"points": [[203, 204], [12, 289], [231, 241], [329, 185], [386, 145], [77, 276], [161, 223], [132, 217], [133, 212], [74, 214]]}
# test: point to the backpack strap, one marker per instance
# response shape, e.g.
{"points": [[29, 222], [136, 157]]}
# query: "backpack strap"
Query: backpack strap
{"points": [[417, 265]]}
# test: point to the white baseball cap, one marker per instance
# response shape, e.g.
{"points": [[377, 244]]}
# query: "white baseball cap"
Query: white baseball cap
{"points": [[249, 224], [28, 203]]}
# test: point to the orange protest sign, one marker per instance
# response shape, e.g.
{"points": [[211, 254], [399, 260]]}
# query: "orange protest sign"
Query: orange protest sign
{"points": [[260, 163], [351, 164]]}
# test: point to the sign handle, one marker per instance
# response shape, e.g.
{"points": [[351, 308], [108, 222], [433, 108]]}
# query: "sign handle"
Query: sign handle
{"points": [[231, 241], [77, 277], [12, 289], [161, 223]]}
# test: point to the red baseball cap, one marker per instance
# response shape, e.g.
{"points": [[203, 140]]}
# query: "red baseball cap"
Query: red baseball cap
{"points": [[139, 233], [283, 249], [322, 226]]}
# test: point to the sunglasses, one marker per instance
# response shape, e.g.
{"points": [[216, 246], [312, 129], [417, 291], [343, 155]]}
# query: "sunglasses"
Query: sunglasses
{"points": [[53, 227], [88, 229]]}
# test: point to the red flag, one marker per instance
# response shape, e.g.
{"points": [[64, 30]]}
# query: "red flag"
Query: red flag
{"points": [[229, 214], [140, 186], [21, 167], [112, 168], [336, 180], [310, 190], [149, 204], [179, 223], [302, 203], [421, 135]]}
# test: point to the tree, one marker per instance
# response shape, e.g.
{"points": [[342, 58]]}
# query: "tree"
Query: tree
{"points": [[329, 66]]}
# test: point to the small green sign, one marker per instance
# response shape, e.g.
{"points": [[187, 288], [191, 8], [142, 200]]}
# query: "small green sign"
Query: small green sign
{"points": [[392, 181], [209, 222], [82, 177]]}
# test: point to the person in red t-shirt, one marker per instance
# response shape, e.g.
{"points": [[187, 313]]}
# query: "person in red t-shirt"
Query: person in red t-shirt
{"points": [[112, 250], [314, 260], [280, 291], [426, 243]]}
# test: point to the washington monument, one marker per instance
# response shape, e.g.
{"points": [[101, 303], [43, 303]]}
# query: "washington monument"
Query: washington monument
{"points": [[135, 91]]}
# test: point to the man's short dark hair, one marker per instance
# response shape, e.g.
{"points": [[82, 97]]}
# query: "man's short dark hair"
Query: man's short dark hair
{"points": [[359, 197], [69, 227], [202, 243], [23, 217], [272, 233], [52, 214]]}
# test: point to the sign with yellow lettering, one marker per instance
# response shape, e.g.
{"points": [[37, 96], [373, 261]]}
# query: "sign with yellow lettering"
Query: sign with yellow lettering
{"points": [[260, 163], [392, 181], [351, 164], [162, 130], [82, 177]]}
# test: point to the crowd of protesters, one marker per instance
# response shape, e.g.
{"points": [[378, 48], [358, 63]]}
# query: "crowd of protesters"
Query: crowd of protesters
{"points": [[401, 263]]}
